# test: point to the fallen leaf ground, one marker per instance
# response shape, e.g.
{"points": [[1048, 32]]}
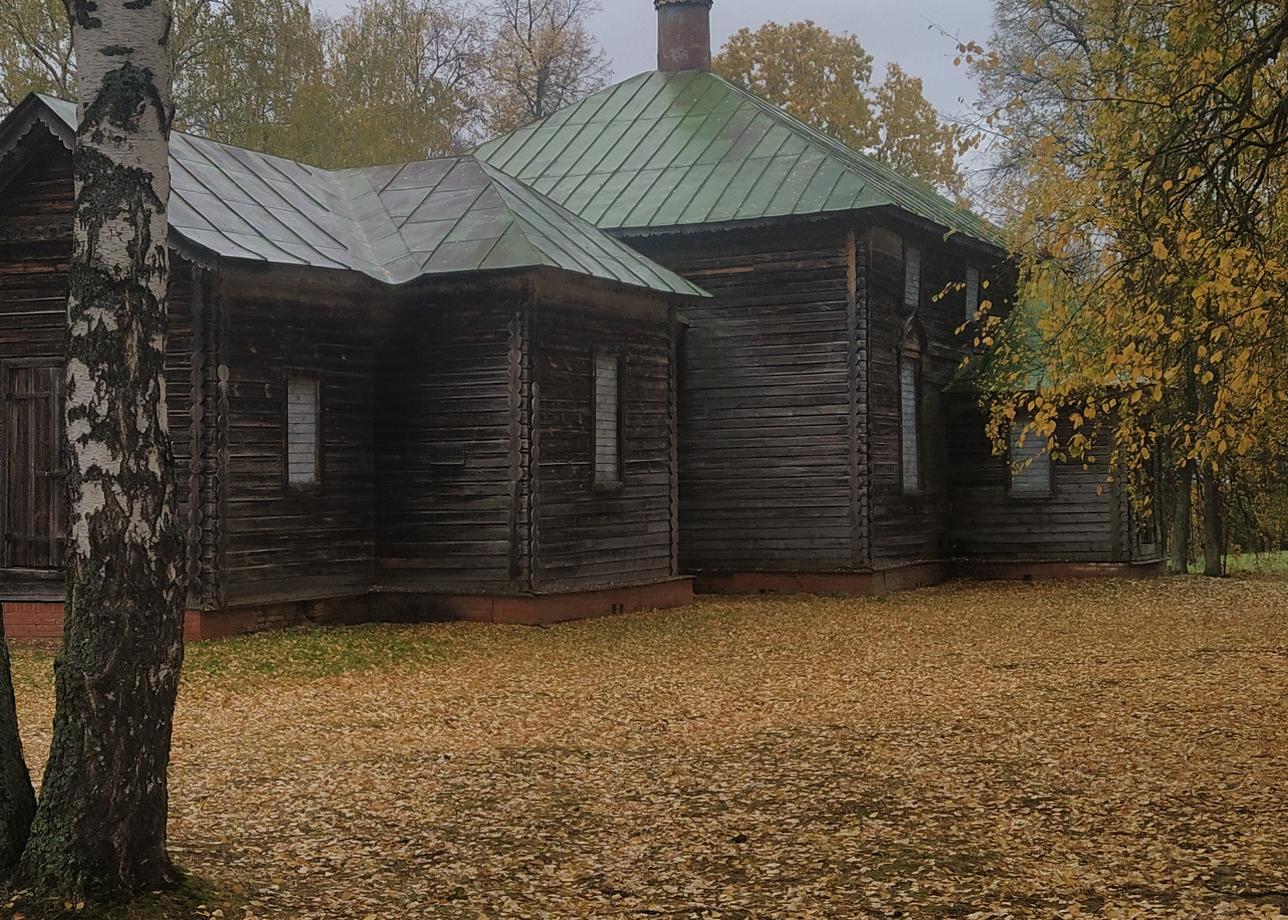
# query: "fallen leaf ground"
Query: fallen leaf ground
{"points": [[1096, 749]]}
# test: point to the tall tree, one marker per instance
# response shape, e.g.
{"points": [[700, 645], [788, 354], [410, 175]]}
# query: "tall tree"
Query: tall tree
{"points": [[543, 58], [1146, 152], [261, 83], [36, 53], [825, 80], [100, 827], [821, 78], [404, 78], [913, 138], [35, 50]]}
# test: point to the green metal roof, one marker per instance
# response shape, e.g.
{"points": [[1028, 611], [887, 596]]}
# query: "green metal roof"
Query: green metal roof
{"points": [[666, 150], [393, 223], [1020, 367]]}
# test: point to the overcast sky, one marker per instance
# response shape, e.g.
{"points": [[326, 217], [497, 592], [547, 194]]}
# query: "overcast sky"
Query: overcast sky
{"points": [[891, 31], [899, 31]]}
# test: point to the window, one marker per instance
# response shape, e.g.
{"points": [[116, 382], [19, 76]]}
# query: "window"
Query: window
{"points": [[910, 413], [608, 419], [1030, 461], [912, 276], [303, 430], [972, 293]]}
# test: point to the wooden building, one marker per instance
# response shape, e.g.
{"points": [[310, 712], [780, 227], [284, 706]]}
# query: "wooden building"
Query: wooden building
{"points": [[411, 391], [820, 446]]}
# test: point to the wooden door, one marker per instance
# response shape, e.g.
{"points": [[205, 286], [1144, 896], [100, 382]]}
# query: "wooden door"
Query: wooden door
{"points": [[33, 468]]}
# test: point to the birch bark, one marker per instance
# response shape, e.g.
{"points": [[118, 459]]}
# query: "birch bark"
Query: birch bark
{"points": [[100, 828]]}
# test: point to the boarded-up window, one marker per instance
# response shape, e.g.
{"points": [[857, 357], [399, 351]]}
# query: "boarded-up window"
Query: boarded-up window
{"points": [[972, 293], [910, 420], [912, 276], [33, 468], [303, 399], [1030, 460], [608, 419]]}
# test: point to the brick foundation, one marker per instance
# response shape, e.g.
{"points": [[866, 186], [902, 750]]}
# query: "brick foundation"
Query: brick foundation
{"points": [[534, 610], [44, 620], [1050, 571], [32, 619], [836, 584]]}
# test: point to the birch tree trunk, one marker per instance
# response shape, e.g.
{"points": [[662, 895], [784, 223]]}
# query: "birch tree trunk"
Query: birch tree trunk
{"points": [[17, 801], [100, 828]]}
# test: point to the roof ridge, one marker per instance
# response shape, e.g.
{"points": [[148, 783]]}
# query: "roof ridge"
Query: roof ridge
{"points": [[835, 146], [664, 158], [458, 214]]}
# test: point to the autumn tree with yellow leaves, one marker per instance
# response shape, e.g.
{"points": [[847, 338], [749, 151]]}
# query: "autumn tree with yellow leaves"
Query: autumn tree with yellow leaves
{"points": [[1144, 169], [825, 80]]}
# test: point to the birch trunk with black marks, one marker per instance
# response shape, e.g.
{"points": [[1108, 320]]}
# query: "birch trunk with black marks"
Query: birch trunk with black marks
{"points": [[17, 800], [100, 828]]}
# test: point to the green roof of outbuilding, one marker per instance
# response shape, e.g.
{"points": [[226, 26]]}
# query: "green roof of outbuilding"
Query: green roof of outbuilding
{"points": [[393, 223], [666, 150]]}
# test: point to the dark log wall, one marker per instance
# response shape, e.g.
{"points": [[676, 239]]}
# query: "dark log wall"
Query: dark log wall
{"points": [[1085, 519], [35, 253], [911, 528], [766, 403], [283, 542], [587, 537], [451, 447]]}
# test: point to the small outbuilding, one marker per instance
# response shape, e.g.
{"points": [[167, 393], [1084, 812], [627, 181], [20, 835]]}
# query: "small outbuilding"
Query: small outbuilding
{"points": [[413, 391]]}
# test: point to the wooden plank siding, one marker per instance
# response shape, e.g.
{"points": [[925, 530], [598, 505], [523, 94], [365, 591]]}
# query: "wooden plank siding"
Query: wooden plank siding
{"points": [[1081, 520], [35, 255], [909, 528], [284, 541], [596, 535], [452, 432], [486, 440], [768, 416]]}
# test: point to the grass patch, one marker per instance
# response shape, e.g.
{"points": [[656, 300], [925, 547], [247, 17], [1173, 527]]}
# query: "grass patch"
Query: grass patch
{"points": [[1259, 563], [192, 899], [313, 653], [304, 654]]}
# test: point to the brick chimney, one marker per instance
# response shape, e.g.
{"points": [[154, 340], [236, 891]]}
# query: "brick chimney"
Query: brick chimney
{"points": [[683, 35]]}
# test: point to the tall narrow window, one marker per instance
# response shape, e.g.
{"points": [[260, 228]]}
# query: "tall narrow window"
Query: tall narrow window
{"points": [[910, 413], [972, 293], [303, 430], [1030, 461], [608, 419], [911, 276]]}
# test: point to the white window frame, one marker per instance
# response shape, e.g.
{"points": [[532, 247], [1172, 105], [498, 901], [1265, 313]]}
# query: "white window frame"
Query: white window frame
{"points": [[302, 472], [1031, 474], [911, 276], [973, 282], [608, 465], [911, 454]]}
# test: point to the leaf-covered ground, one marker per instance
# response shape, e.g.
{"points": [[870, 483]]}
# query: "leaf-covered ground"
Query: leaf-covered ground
{"points": [[1078, 750]]}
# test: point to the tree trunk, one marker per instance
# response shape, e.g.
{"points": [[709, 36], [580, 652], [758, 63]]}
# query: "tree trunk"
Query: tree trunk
{"points": [[1213, 527], [100, 828], [1178, 542], [17, 800]]}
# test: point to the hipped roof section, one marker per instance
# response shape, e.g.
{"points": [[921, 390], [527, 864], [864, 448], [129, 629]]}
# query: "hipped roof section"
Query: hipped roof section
{"points": [[396, 224], [673, 150]]}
